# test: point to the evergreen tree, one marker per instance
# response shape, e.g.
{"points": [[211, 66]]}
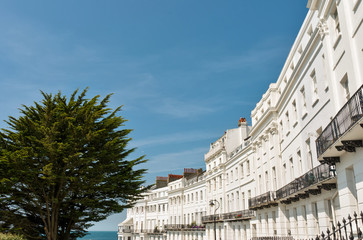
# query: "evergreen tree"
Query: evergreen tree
{"points": [[63, 164]]}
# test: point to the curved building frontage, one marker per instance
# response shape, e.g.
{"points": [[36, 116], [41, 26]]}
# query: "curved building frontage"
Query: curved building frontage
{"points": [[297, 170]]}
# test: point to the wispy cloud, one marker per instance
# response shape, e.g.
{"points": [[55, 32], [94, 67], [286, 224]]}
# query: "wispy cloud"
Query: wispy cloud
{"points": [[182, 109], [142, 87], [177, 160], [181, 137], [253, 58], [38, 52], [176, 156], [37, 58]]}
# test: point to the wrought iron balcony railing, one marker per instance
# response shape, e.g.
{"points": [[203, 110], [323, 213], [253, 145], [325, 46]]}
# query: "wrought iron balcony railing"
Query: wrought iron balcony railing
{"points": [[151, 231], [211, 218], [350, 113], [173, 226], [239, 215], [195, 228], [312, 177], [186, 227], [232, 216], [265, 199], [273, 238]]}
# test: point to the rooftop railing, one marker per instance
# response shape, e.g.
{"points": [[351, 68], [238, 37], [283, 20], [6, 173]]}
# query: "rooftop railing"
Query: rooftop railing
{"points": [[350, 113], [239, 148], [261, 200], [312, 177], [215, 147]]}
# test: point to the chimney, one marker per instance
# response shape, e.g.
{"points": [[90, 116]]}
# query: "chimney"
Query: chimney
{"points": [[161, 182], [242, 121], [191, 172], [173, 177], [242, 124]]}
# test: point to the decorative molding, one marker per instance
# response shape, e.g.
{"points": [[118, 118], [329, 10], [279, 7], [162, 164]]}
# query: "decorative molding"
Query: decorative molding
{"points": [[253, 148], [273, 130], [323, 28]]}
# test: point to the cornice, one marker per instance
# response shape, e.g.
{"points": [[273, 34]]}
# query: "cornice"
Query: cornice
{"points": [[219, 151], [267, 116], [293, 81]]}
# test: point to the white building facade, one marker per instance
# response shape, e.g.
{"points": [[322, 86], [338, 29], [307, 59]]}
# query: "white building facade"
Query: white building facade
{"points": [[298, 169], [187, 206], [147, 218], [229, 184]]}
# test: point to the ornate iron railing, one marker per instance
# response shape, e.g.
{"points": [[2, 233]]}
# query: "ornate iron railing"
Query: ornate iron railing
{"points": [[263, 199], [232, 216], [151, 231], [273, 238], [211, 218], [349, 228], [350, 113], [312, 177], [239, 215], [186, 227], [173, 226]]}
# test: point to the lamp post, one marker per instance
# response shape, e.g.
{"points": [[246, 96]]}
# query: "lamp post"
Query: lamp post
{"points": [[212, 203]]}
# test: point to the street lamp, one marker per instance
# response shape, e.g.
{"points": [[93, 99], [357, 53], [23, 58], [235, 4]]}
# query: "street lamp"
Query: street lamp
{"points": [[212, 203]]}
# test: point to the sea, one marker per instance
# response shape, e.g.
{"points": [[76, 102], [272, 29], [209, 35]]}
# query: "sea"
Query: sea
{"points": [[100, 235]]}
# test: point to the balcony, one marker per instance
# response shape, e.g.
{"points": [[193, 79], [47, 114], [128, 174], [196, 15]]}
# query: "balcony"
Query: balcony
{"points": [[261, 201], [184, 227], [239, 148], [173, 226], [227, 217], [320, 177], [211, 218], [238, 216], [151, 231], [347, 118], [215, 148]]}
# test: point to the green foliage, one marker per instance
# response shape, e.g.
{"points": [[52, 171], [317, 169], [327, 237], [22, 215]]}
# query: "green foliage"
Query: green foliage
{"points": [[9, 236], [63, 164]]}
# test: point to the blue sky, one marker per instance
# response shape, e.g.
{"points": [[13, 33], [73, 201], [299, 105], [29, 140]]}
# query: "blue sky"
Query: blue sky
{"points": [[185, 70]]}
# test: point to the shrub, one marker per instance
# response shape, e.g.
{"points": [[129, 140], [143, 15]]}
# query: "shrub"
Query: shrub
{"points": [[8, 236]]}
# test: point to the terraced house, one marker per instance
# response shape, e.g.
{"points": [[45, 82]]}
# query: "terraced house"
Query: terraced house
{"points": [[298, 169]]}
